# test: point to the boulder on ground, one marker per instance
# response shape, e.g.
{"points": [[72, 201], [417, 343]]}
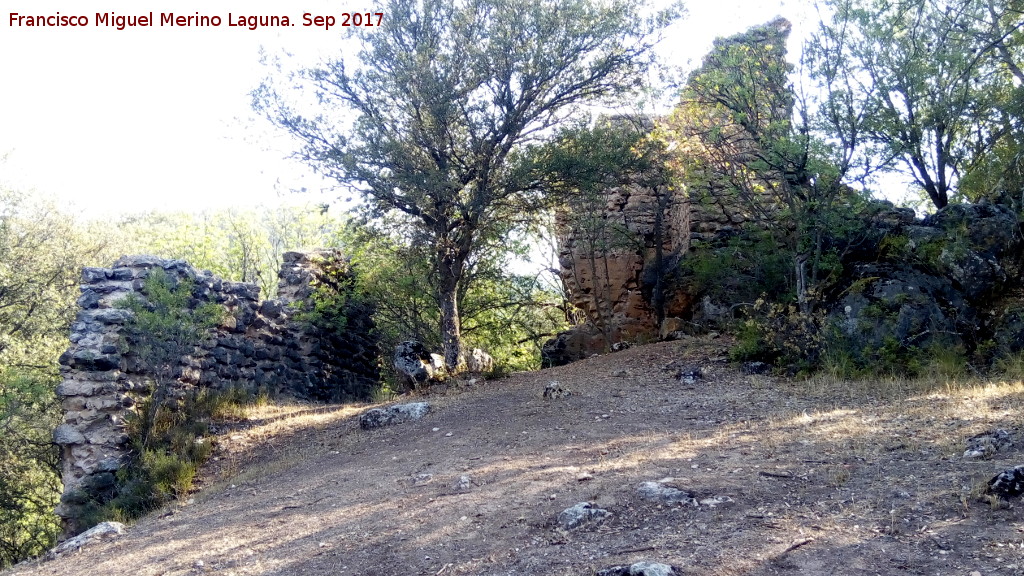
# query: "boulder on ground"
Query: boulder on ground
{"points": [[672, 328], [416, 365], [479, 361], [101, 531], [380, 417], [639, 569], [987, 444], [1008, 483], [554, 390], [580, 514]]}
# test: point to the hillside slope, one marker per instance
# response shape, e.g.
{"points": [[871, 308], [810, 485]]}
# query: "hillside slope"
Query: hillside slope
{"points": [[789, 478]]}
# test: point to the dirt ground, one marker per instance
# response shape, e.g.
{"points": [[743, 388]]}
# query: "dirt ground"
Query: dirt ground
{"points": [[810, 477]]}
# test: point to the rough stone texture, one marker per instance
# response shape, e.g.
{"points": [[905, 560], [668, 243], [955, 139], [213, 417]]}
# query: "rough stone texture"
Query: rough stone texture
{"points": [[987, 444], [1008, 483], [612, 274], [639, 569], [554, 390], [663, 493], [942, 287], [258, 346], [416, 364], [479, 361], [1008, 328], [580, 514], [101, 531], [380, 417]]}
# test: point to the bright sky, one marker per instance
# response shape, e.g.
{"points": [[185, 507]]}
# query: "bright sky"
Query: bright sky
{"points": [[112, 121]]}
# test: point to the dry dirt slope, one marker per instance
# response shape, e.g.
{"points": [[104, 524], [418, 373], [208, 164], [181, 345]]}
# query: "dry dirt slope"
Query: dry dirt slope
{"points": [[823, 479]]}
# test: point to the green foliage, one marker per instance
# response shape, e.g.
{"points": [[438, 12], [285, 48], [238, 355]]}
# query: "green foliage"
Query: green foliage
{"points": [[750, 343], [746, 266], [42, 251], [922, 84], [169, 444], [167, 324], [1011, 366], [781, 335], [504, 313], [335, 294], [29, 480], [890, 357], [246, 246], [895, 247], [432, 121]]}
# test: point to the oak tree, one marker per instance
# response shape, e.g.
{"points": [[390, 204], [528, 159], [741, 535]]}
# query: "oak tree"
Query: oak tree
{"points": [[429, 121]]}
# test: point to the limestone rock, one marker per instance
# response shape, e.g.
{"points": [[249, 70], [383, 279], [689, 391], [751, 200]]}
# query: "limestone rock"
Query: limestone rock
{"points": [[479, 361], [102, 531], [66, 434], [415, 364], [554, 390], [987, 444], [1008, 483], [639, 569], [397, 414], [663, 493], [580, 514]]}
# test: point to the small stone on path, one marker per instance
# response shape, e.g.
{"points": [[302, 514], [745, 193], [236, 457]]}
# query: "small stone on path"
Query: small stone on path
{"points": [[580, 514]]}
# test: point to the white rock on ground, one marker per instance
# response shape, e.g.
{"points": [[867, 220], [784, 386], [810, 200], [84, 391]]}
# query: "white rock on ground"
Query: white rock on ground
{"points": [[580, 514], [639, 569], [378, 417], [101, 531], [667, 494]]}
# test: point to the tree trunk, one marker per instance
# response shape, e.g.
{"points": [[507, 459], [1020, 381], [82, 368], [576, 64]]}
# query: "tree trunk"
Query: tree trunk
{"points": [[450, 275], [803, 302]]}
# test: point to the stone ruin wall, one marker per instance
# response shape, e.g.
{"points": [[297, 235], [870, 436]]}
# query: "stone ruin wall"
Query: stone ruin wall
{"points": [[626, 284], [618, 303], [259, 345]]}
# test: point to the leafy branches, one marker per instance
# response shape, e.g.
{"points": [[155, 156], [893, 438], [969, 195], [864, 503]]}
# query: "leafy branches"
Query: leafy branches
{"points": [[432, 120], [923, 83]]}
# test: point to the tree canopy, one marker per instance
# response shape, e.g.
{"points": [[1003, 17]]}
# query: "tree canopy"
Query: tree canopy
{"points": [[929, 84], [431, 119]]}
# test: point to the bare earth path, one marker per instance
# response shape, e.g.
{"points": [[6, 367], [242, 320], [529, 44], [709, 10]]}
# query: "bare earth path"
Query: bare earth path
{"points": [[816, 478]]}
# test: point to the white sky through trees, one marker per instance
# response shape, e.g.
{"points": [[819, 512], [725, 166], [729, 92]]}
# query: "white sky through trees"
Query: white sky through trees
{"points": [[158, 118]]}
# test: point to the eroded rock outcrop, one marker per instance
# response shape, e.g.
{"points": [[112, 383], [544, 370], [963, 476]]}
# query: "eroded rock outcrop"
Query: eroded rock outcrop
{"points": [[273, 345], [938, 282]]}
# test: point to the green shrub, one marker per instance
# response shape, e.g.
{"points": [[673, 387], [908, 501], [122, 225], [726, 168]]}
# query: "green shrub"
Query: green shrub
{"points": [[1011, 366], [780, 334], [750, 343], [741, 268]]}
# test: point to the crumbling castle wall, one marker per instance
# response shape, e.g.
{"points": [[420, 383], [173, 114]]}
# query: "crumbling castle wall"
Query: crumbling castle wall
{"points": [[627, 285], [258, 346], [613, 282]]}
